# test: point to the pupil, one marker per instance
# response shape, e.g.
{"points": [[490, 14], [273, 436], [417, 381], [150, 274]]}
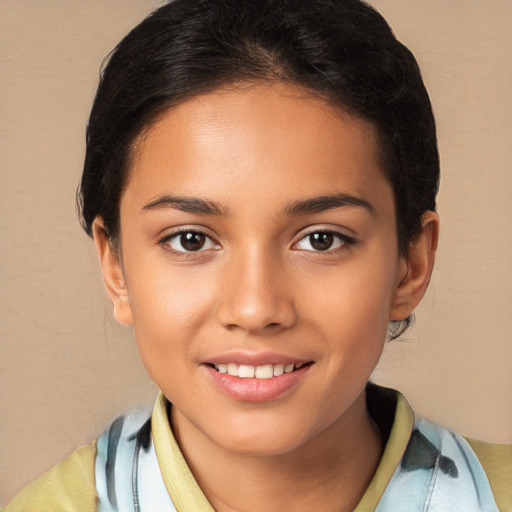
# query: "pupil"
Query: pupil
{"points": [[321, 241], [192, 241]]}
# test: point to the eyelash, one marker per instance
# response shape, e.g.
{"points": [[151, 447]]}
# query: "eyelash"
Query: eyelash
{"points": [[167, 239], [345, 241]]}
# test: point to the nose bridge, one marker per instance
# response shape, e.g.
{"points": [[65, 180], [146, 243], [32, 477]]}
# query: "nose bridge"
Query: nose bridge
{"points": [[256, 297]]}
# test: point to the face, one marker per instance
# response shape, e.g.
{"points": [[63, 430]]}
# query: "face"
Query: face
{"points": [[259, 264]]}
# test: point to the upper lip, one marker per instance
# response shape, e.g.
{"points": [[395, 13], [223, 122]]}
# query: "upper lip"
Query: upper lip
{"points": [[255, 358]]}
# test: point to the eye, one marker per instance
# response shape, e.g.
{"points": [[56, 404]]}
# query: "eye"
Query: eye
{"points": [[190, 241], [322, 241]]}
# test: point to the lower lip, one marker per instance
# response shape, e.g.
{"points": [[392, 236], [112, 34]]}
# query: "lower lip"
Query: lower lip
{"points": [[256, 390]]}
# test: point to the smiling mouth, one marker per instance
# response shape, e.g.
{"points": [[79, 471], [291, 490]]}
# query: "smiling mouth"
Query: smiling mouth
{"points": [[266, 371]]}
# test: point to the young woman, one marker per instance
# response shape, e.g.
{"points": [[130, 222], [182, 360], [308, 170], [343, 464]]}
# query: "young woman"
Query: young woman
{"points": [[260, 183]]}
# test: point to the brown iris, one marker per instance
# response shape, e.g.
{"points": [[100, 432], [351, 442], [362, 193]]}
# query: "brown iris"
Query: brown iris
{"points": [[192, 241], [321, 241]]}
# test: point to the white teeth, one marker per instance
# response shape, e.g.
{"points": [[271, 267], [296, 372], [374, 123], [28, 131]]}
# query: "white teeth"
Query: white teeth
{"points": [[246, 372], [278, 370], [266, 371], [232, 369]]}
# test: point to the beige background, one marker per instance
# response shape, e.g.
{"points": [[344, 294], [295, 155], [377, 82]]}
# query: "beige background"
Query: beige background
{"points": [[66, 369]]}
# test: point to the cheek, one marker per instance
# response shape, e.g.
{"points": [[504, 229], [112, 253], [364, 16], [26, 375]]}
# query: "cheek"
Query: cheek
{"points": [[356, 295], [352, 316], [168, 309]]}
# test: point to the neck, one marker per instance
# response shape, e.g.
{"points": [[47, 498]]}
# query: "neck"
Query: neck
{"points": [[330, 472]]}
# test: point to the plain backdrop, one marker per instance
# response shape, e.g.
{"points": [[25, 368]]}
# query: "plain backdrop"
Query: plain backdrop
{"points": [[66, 368]]}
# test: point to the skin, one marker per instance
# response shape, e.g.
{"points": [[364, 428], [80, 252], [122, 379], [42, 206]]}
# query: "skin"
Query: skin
{"points": [[259, 285]]}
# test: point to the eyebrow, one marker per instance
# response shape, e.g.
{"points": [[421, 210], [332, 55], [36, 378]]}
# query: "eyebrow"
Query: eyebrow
{"points": [[327, 202], [187, 204], [207, 207]]}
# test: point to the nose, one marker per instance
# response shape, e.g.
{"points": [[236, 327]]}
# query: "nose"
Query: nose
{"points": [[256, 297]]}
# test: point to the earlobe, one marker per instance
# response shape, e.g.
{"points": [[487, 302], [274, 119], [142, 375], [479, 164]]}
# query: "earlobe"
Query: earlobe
{"points": [[415, 269], [113, 274]]}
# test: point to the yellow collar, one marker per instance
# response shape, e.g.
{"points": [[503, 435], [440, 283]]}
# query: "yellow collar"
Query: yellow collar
{"points": [[187, 495]]}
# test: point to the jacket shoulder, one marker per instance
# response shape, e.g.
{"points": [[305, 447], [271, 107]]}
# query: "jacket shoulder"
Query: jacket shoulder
{"points": [[496, 459], [69, 486]]}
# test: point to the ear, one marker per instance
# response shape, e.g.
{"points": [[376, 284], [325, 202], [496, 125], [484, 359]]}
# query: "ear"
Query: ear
{"points": [[415, 269], [113, 274]]}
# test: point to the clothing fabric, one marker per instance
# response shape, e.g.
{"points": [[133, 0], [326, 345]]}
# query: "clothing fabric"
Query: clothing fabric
{"points": [[138, 466]]}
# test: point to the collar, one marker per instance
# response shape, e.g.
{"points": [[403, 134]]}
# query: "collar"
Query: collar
{"points": [[388, 407]]}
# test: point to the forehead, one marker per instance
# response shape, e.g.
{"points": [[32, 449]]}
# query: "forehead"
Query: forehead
{"points": [[271, 138]]}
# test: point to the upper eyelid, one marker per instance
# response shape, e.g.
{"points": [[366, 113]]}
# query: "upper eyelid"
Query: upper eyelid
{"points": [[326, 229], [186, 229]]}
